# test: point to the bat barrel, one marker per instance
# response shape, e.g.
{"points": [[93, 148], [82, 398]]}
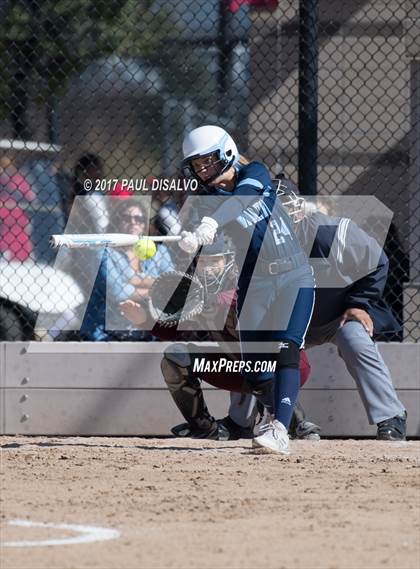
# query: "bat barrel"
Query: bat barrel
{"points": [[77, 241], [163, 238]]}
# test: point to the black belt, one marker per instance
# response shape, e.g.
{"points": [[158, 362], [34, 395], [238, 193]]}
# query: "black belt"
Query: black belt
{"points": [[279, 266]]}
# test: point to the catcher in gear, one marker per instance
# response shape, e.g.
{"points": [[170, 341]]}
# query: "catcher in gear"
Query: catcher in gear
{"points": [[202, 301]]}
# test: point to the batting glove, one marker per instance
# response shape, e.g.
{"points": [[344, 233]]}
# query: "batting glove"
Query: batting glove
{"points": [[189, 242], [206, 231]]}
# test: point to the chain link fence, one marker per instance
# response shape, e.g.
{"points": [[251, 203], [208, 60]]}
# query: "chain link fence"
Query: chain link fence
{"points": [[102, 92]]}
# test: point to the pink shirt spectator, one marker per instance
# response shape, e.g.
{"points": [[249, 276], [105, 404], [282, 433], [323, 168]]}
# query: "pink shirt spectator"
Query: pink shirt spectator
{"points": [[16, 187], [15, 243]]}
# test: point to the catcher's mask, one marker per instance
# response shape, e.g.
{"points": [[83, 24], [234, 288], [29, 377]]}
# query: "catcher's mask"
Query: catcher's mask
{"points": [[214, 270], [294, 204]]}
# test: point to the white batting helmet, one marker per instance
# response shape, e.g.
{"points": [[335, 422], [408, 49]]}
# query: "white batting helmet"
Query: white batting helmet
{"points": [[209, 141]]}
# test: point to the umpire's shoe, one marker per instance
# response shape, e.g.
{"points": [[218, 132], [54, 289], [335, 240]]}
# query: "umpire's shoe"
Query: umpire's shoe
{"points": [[393, 429]]}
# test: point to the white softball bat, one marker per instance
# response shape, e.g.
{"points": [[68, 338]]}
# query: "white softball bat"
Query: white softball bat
{"points": [[81, 240]]}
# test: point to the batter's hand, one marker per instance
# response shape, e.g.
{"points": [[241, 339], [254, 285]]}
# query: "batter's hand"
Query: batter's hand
{"points": [[189, 242], [206, 231], [359, 315]]}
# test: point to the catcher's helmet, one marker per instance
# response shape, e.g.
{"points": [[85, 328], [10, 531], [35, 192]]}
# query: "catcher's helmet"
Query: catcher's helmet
{"points": [[291, 200], [215, 268], [210, 142]]}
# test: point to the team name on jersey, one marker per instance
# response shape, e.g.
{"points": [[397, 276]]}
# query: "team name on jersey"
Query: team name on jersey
{"points": [[254, 213]]}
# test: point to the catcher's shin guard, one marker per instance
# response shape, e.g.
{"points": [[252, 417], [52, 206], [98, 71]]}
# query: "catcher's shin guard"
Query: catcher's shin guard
{"points": [[188, 396]]}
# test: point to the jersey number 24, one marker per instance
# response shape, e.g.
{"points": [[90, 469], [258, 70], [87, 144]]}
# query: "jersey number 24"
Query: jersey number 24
{"points": [[279, 230]]}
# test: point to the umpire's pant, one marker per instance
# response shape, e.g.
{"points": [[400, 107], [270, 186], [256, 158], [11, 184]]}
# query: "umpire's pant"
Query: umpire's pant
{"points": [[363, 361], [365, 364]]}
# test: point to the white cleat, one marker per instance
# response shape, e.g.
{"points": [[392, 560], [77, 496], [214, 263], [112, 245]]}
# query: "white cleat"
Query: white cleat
{"points": [[272, 437]]}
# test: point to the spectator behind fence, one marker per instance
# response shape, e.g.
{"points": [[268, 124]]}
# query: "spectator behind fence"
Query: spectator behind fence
{"points": [[167, 220], [122, 276], [165, 208], [92, 208], [128, 216], [15, 192]]}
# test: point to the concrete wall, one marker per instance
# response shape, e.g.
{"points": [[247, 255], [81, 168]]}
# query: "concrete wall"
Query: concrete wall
{"points": [[118, 389]]}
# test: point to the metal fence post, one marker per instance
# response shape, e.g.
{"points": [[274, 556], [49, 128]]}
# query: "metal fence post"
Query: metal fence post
{"points": [[308, 95]]}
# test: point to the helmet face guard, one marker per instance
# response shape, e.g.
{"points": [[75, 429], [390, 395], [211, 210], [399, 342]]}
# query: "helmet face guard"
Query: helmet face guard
{"points": [[214, 276], [216, 165]]}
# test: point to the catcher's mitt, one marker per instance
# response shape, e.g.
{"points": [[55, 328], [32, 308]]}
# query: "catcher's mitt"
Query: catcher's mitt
{"points": [[175, 297]]}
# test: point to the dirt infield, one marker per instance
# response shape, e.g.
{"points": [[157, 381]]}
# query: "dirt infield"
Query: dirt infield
{"points": [[182, 503]]}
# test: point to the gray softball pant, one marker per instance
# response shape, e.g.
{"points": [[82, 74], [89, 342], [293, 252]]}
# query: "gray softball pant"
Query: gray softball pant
{"points": [[364, 363]]}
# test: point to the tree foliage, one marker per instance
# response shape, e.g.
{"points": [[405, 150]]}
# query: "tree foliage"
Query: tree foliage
{"points": [[45, 43]]}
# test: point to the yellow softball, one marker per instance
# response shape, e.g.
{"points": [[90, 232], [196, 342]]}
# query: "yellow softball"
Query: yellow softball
{"points": [[144, 249]]}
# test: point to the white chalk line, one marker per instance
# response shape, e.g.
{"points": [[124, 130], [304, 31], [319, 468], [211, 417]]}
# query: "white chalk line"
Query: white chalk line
{"points": [[87, 534]]}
